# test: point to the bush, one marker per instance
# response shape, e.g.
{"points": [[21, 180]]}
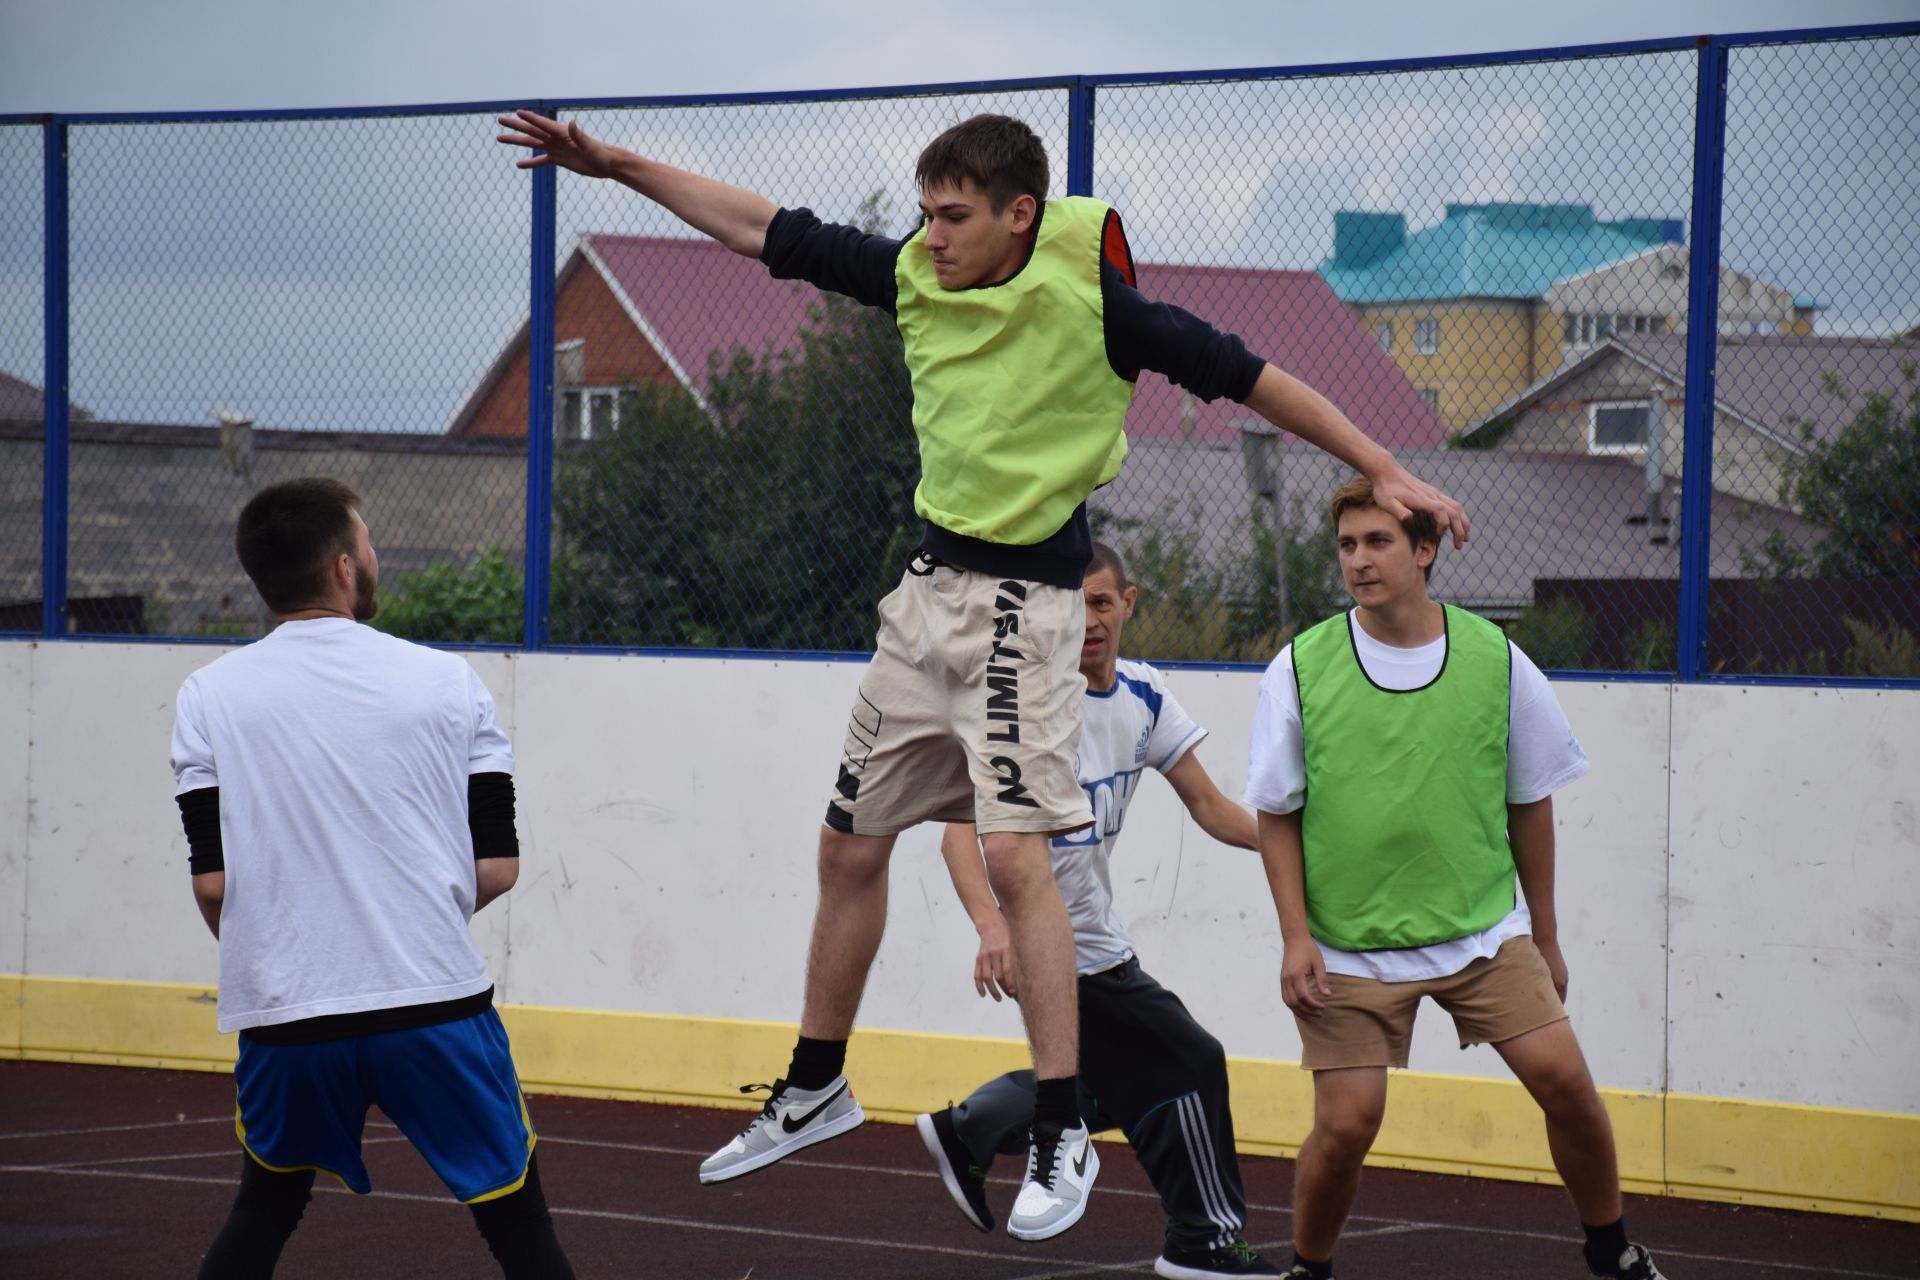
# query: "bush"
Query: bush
{"points": [[1556, 635]]}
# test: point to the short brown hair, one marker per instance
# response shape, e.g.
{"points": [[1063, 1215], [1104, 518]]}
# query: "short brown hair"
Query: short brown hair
{"points": [[998, 154], [1105, 557], [288, 535], [1419, 527]]}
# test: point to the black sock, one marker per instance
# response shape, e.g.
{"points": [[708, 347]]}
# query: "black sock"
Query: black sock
{"points": [[1317, 1270], [265, 1212], [1057, 1103], [519, 1232], [1604, 1246], [816, 1062]]}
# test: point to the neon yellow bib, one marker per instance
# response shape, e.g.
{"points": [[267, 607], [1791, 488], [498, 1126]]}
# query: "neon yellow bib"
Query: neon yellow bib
{"points": [[1019, 415], [1405, 826]]}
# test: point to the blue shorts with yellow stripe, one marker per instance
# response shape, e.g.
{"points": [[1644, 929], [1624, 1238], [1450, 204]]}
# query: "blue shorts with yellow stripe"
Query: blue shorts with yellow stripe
{"points": [[450, 1088]]}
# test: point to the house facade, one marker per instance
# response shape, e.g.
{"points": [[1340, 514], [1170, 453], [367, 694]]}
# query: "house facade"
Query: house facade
{"points": [[1775, 396], [634, 309], [1498, 296]]}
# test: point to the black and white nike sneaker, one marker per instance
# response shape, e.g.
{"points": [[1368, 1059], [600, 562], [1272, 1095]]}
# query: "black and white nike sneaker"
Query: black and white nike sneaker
{"points": [[792, 1119]]}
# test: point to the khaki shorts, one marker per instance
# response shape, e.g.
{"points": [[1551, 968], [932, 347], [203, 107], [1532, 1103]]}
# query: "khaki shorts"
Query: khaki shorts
{"points": [[970, 710], [1368, 1023]]}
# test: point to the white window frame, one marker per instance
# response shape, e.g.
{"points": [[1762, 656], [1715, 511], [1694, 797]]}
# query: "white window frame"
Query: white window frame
{"points": [[1432, 396], [589, 397], [1426, 336], [1593, 426], [1383, 334]]}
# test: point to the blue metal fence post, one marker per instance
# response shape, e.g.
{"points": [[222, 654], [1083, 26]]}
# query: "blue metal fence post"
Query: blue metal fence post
{"points": [[1703, 328], [540, 410], [55, 397], [1079, 138]]}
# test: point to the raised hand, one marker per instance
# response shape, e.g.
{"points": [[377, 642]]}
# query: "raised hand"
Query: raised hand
{"points": [[566, 145]]}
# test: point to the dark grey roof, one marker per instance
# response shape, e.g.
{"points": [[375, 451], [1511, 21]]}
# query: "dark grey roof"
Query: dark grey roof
{"points": [[1776, 384], [1534, 515], [24, 400]]}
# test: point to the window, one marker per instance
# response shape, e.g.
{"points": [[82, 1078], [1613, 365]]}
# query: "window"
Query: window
{"points": [[1617, 428], [1384, 335], [1432, 396], [586, 412], [1426, 336]]}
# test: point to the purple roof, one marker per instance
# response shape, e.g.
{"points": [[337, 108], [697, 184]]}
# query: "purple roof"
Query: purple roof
{"points": [[696, 297]]}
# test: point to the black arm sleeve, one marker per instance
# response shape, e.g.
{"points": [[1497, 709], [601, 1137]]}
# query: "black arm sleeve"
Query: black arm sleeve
{"points": [[200, 815], [490, 815], [1170, 341], [827, 255]]}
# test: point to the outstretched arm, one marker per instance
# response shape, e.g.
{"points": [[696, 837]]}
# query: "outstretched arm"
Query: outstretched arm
{"points": [[1303, 970], [1218, 816], [993, 966], [737, 218], [1295, 407]]}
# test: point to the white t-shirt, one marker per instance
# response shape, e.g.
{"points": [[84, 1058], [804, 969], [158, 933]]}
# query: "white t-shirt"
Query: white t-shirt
{"points": [[342, 756], [1542, 756], [1135, 726]]}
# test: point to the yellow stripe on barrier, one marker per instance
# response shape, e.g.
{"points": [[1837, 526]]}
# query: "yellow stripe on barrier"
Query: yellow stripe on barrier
{"points": [[1764, 1153]]}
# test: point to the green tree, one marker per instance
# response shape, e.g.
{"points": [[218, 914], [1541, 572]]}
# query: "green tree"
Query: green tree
{"points": [[1223, 607], [772, 516], [1862, 488]]}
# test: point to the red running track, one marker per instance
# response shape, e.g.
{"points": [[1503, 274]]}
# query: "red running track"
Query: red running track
{"points": [[110, 1172]]}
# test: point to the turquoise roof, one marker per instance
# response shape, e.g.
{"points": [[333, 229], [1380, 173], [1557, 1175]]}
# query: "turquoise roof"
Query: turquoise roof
{"points": [[1480, 251]]}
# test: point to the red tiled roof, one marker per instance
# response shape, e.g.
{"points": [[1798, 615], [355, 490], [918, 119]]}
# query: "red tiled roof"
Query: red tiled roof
{"points": [[697, 297]]}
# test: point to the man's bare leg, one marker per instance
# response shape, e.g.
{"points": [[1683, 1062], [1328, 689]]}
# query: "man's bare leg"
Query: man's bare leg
{"points": [[1021, 873], [1348, 1104], [1549, 1063], [813, 1101], [848, 923]]}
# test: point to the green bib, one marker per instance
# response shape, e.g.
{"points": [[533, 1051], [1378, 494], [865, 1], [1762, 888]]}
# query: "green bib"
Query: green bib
{"points": [[1019, 415], [1405, 824]]}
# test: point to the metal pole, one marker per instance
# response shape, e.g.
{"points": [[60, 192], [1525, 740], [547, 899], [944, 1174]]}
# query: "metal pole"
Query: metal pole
{"points": [[55, 396], [1079, 138], [1703, 326], [540, 388]]}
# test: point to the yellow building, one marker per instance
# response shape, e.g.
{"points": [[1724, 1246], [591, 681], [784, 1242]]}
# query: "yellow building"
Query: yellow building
{"points": [[1483, 305]]}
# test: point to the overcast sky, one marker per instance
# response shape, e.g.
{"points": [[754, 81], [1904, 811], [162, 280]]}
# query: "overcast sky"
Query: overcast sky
{"points": [[152, 55]]}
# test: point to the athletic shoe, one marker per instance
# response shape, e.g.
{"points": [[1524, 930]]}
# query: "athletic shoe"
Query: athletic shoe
{"points": [[1637, 1264], [1236, 1259], [1298, 1272], [1060, 1171], [966, 1181], [792, 1119]]}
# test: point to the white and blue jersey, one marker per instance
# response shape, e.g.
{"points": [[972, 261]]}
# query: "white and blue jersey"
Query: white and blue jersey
{"points": [[1135, 726]]}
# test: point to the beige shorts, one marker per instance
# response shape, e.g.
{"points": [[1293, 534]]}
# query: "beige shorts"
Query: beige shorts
{"points": [[970, 710], [1368, 1023]]}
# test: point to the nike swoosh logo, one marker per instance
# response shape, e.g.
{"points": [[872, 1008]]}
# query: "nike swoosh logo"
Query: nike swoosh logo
{"points": [[1080, 1165], [794, 1124]]}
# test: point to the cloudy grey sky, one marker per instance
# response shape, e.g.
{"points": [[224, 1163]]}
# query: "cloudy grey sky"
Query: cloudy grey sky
{"points": [[139, 55], [364, 272]]}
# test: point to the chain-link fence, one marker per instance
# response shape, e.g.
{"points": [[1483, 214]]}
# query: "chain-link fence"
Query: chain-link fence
{"points": [[22, 357], [1514, 271]]}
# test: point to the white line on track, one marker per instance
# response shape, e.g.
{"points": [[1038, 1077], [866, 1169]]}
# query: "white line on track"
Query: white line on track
{"points": [[118, 1128], [1386, 1226]]}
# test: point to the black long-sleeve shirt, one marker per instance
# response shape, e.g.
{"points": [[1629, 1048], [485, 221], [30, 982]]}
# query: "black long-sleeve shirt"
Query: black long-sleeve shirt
{"points": [[1140, 334]]}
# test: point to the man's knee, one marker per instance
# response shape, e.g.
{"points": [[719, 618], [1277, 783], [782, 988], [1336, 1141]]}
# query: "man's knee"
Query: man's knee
{"points": [[849, 859], [1018, 864], [1347, 1123]]}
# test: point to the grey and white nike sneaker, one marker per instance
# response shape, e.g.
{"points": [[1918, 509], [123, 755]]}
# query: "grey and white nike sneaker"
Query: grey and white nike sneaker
{"points": [[792, 1119], [1060, 1171]]}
